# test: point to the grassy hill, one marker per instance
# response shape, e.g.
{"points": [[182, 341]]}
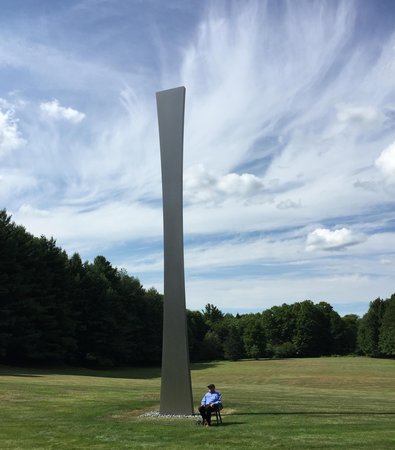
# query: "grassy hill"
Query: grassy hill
{"points": [[326, 403]]}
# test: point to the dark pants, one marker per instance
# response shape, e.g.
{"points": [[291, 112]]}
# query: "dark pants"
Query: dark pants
{"points": [[206, 411]]}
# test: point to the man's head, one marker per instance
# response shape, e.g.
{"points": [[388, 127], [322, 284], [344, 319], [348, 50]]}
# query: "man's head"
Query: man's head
{"points": [[211, 387]]}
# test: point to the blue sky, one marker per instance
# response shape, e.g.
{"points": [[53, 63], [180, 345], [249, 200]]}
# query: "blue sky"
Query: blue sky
{"points": [[289, 151]]}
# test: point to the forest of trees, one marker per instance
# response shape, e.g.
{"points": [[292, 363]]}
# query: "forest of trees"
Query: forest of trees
{"points": [[58, 309]]}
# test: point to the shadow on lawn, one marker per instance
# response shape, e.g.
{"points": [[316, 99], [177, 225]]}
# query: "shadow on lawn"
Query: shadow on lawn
{"points": [[133, 373], [316, 413], [225, 424], [23, 375]]}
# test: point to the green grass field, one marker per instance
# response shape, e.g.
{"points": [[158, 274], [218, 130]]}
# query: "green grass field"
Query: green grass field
{"points": [[345, 403]]}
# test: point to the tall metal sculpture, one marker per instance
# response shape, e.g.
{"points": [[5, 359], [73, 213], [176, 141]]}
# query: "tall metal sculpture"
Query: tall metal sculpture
{"points": [[176, 388]]}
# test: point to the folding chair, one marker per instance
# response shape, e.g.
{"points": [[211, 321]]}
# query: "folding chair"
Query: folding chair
{"points": [[218, 414]]}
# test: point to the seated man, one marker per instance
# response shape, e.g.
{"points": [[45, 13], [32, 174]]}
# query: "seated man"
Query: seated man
{"points": [[210, 402]]}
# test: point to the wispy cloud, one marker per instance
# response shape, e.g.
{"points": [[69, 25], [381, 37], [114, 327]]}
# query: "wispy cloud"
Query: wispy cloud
{"points": [[15, 183], [289, 133]]}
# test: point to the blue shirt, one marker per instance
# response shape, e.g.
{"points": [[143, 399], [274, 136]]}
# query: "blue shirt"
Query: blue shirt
{"points": [[211, 397]]}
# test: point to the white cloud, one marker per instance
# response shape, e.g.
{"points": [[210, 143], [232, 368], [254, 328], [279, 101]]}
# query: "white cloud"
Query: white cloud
{"points": [[349, 113], [386, 163], [386, 261], [10, 138], [205, 186], [288, 203], [55, 111], [245, 184], [4, 104], [367, 185], [324, 239]]}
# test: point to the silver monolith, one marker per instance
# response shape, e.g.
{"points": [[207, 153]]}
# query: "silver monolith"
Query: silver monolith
{"points": [[176, 388]]}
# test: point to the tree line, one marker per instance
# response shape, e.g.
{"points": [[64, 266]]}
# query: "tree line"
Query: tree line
{"points": [[56, 308]]}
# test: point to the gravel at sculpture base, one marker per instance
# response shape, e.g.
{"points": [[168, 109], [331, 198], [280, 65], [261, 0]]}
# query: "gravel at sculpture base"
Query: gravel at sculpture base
{"points": [[157, 414]]}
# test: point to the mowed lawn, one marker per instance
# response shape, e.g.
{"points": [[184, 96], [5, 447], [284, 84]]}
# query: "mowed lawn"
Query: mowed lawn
{"points": [[345, 403]]}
